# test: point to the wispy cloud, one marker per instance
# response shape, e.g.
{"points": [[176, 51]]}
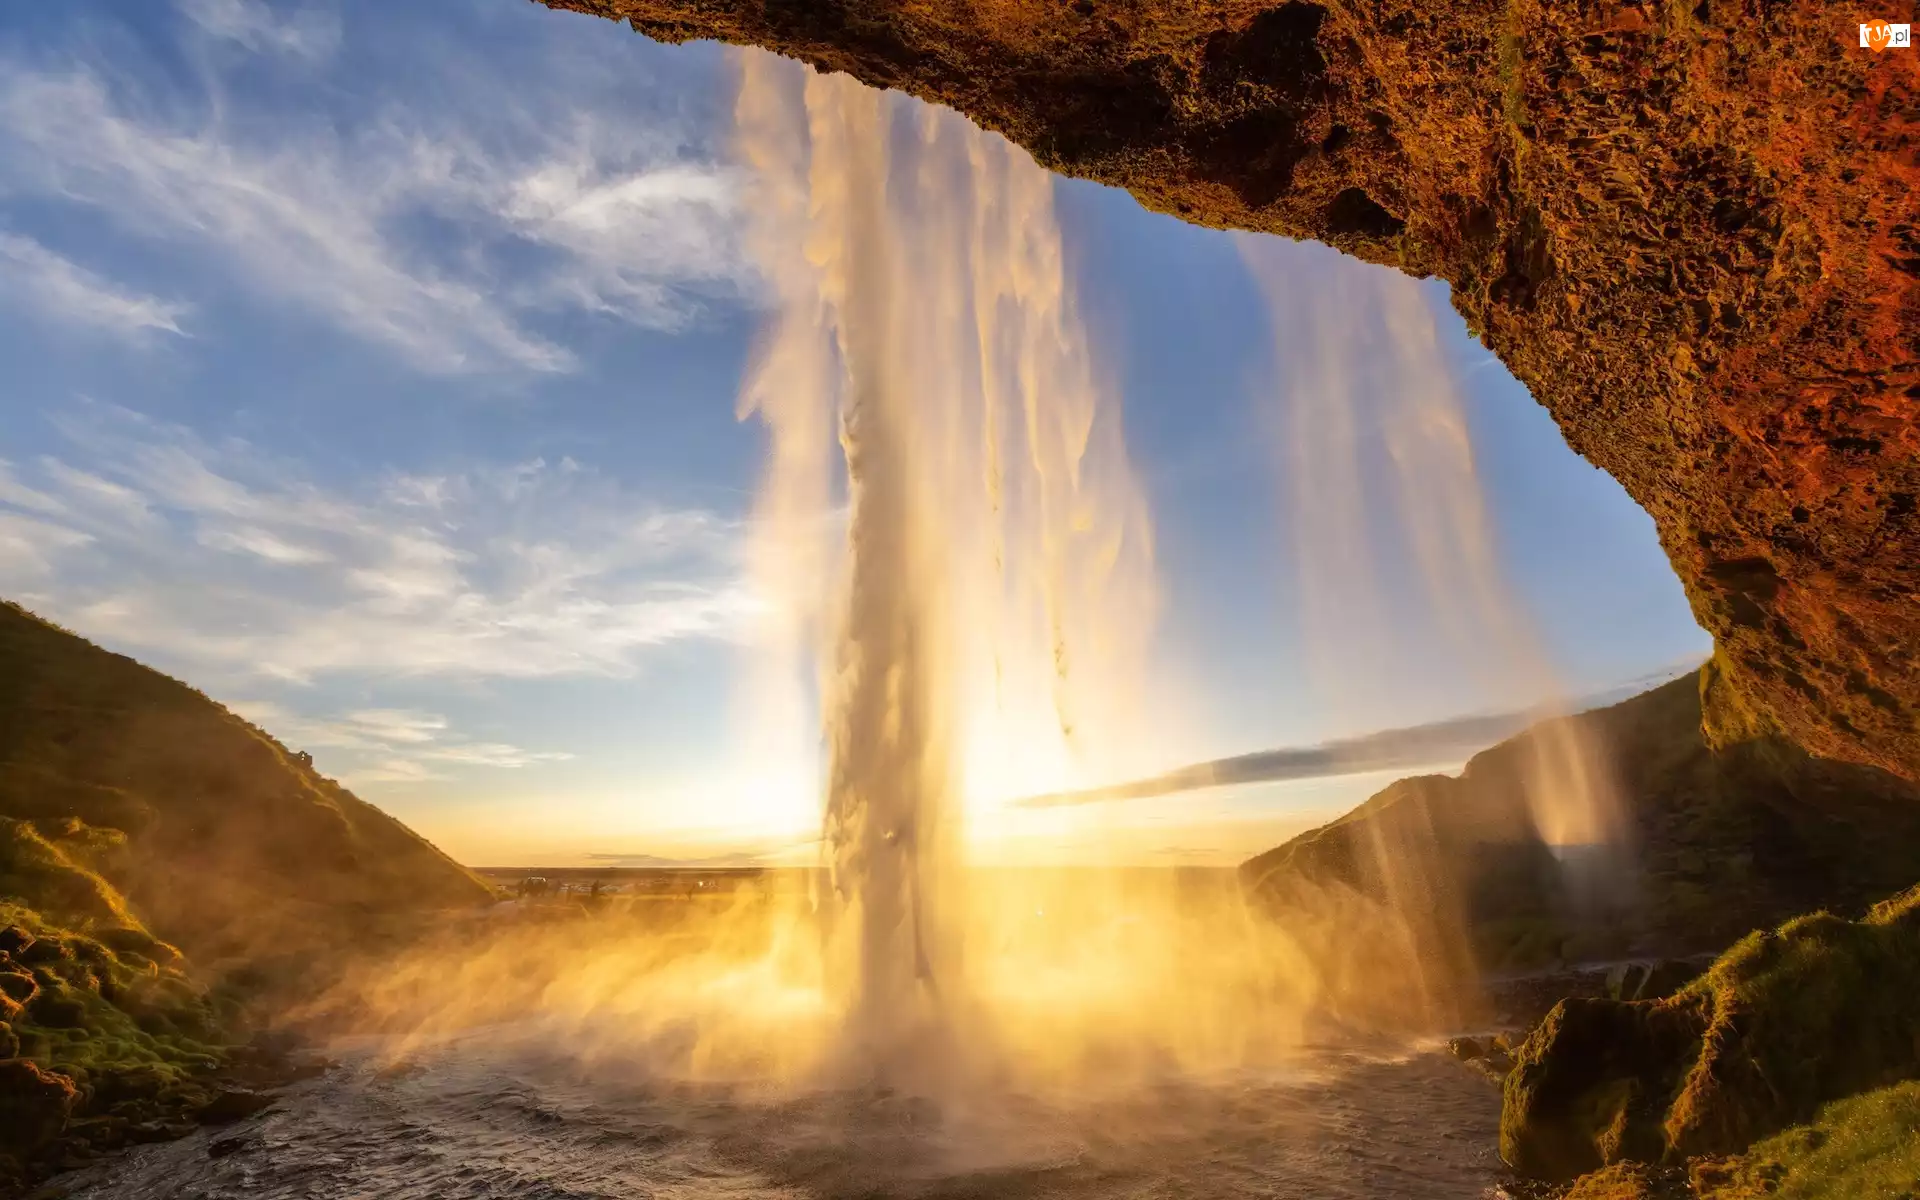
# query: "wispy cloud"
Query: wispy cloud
{"points": [[303, 33], [1444, 743], [425, 229], [389, 745], [41, 282], [240, 567]]}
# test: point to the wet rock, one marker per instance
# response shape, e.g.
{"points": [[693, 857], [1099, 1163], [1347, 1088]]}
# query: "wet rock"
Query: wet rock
{"points": [[14, 939], [1625, 979], [1466, 1049], [223, 1146], [1651, 980], [101, 1133], [1668, 976], [233, 1104]]}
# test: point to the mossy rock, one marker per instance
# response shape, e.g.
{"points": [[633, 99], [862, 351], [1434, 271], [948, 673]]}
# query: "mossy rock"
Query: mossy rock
{"points": [[34, 1104], [57, 1008], [1783, 1023], [18, 986], [1591, 1085]]}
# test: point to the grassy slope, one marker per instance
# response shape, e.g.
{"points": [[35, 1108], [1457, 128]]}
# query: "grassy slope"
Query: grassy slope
{"points": [[231, 847], [1726, 841], [1865, 1147], [134, 809], [1785, 1023]]}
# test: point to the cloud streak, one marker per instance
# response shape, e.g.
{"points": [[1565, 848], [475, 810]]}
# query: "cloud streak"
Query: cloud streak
{"points": [[240, 567], [45, 283], [390, 745], [1443, 743], [306, 33]]}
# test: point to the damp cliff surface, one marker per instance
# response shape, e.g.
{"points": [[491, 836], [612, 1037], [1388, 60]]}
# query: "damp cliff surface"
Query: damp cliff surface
{"points": [[1688, 228]]}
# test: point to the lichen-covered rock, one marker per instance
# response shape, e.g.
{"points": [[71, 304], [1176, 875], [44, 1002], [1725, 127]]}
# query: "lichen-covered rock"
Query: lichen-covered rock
{"points": [[1686, 225]]}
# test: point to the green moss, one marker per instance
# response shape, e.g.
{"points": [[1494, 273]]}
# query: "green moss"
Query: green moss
{"points": [[1862, 1148], [90, 1012], [1818, 1009], [53, 875], [1783, 1023], [1727, 717]]}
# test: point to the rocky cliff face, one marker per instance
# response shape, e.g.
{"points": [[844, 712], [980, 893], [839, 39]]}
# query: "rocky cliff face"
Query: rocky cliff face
{"points": [[1689, 227]]}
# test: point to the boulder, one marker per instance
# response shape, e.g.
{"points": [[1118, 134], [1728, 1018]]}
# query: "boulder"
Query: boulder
{"points": [[233, 1104], [1650, 980], [1591, 1086]]}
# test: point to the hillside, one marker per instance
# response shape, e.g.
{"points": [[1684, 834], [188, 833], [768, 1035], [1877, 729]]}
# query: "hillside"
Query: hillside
{"points": [[139, 819], [217, 836], [1723, 842]]}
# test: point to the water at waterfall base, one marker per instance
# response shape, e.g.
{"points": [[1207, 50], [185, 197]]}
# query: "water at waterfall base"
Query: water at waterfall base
{"points": [[499, 1113]]}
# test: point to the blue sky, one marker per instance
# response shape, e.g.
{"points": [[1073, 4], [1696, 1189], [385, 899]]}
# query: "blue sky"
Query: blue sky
{"points": [[372, 366]]}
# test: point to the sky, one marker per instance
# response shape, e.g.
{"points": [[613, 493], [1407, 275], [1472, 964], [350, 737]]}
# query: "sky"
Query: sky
{"points": [[372, 367]]}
